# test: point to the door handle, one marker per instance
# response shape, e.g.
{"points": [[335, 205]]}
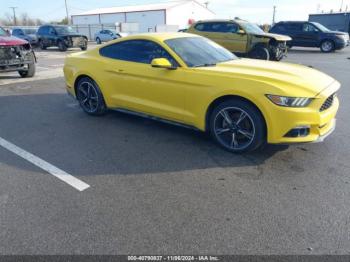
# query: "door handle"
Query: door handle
{"points": [[120, 70]]}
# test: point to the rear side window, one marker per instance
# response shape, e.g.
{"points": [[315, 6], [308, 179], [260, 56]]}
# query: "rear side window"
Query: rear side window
{"points": [[294, 27], [279, 28], [220, 27], [16, 31], [140, 51], [43, 30]]}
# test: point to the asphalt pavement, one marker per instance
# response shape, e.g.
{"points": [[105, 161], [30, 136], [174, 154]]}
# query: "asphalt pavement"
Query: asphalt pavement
{"points": [[161, 189]]}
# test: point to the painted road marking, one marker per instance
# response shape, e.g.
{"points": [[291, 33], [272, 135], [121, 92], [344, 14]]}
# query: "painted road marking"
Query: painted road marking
{"points": [[60, 174]]}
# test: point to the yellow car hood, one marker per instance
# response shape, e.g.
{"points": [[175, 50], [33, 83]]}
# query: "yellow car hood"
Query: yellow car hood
{"points": [[286, 76], [276, 36]]}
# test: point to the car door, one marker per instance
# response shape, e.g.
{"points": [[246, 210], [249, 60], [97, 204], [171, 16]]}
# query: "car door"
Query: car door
{"points": [[310, 35], [234, 39], [295, 30], [135, 85], [102, 36]]}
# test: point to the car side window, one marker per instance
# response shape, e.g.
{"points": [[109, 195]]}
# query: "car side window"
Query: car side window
{"points": [[294, 27], [140, 51], [279, 28], [16, 32], [51, 31], [204, 27], [309, 28]]}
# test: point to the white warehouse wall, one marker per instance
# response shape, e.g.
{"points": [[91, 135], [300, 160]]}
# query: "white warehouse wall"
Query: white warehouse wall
{"points": [[112, 18], [85, 19], [147, 20], [180, 15]]}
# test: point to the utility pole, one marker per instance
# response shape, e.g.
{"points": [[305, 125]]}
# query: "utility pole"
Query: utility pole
{"points": [[274, 15], [65, 1], [341, 6], [14, 14]]}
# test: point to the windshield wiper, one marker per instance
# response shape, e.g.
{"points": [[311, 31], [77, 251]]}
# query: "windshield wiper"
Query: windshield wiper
{"points": [[206, 65]]}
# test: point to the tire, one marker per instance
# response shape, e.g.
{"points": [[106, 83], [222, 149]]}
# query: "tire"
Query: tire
{"points": [[98, 41], [327, 46], [31, 69], [259, 52], [90, 97], [42, 46], [62, 46], [245, 133]]}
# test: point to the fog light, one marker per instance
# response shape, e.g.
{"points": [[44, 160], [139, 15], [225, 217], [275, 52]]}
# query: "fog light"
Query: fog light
{"points": [[300, 131]]}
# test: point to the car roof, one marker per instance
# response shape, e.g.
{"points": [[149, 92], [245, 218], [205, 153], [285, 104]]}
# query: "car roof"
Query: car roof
{"points": [[159, 36], [222, 20]]}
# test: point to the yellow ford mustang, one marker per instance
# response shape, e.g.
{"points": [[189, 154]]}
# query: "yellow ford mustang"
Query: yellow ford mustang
{"points": [[188, 79]]}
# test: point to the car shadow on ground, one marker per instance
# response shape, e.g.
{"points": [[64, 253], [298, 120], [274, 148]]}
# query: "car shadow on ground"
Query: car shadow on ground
{"points": [[53, 127]]}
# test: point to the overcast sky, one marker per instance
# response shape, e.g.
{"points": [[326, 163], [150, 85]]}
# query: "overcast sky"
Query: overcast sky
{"points": [[259, 11]]}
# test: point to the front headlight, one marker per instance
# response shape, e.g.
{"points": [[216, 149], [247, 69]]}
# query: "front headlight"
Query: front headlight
{"points": [[289, 101]]}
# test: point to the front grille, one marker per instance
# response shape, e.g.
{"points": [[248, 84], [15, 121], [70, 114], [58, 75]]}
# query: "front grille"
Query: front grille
{"points": [[328, 103], [7, 53]]}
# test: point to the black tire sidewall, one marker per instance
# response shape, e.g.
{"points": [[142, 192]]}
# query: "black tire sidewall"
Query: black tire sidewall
{"points": [[257, 118], [31, 69], [98, 41], [61, 46], [101, 108], [261, 51]]}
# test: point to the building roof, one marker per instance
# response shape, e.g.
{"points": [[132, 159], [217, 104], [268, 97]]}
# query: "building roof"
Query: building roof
{"points": [[138, 8]]}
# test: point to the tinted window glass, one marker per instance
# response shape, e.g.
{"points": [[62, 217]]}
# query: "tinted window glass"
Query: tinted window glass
{"points": [[294, 27], [16, 31], [2, 32], [199, 51], [309, 28], [44, 30], [279, 27], [140, 51]]}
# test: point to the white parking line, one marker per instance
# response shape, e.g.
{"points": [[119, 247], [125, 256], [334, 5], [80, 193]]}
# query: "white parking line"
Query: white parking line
{"points": [[60, 174]]}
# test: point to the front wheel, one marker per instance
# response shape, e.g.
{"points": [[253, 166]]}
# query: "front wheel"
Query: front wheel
{"points": [[42, 45], [30, 72], [259, 52], [327, 46], [90, 97], [98, 41], [237, 126]]}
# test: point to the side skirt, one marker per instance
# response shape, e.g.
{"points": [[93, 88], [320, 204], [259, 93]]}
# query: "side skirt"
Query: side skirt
{"points": [[158, 119]]}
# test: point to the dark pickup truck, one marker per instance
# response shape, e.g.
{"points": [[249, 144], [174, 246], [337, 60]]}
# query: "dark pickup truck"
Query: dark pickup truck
{"points": [[16, 55]]}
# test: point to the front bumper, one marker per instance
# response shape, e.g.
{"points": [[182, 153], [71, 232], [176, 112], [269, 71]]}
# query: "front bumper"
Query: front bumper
{"points": [[320, 123], [75, 42], [340, 44]]}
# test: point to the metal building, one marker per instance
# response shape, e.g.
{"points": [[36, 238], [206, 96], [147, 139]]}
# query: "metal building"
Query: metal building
{"points": [[334, 21], [148, 17]]}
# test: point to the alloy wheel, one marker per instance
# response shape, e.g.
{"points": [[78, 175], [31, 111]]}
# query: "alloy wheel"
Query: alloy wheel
{"points": [[327, 46], [234, 128], [88, 97]]}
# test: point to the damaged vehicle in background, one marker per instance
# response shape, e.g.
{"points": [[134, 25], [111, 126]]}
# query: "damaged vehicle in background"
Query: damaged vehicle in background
{"points": [[63, 37], [243, 38], [16, 55]]}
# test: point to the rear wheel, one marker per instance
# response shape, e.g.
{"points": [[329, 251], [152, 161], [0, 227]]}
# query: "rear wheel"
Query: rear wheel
{"points": [[62, 46], [30, 72], [237, 126], [327, 46], [90, 97], [42, 45], [259, 52], [84, 46]]}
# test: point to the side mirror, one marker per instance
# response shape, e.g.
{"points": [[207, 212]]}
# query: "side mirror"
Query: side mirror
{"points": [[241, 32], [162, 63]]}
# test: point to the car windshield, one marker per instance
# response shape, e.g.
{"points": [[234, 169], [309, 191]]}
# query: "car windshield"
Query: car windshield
{"points": [[61, 30], [252, 28], [29, 31], [321, 27], [199, 51], [2, 32]]}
